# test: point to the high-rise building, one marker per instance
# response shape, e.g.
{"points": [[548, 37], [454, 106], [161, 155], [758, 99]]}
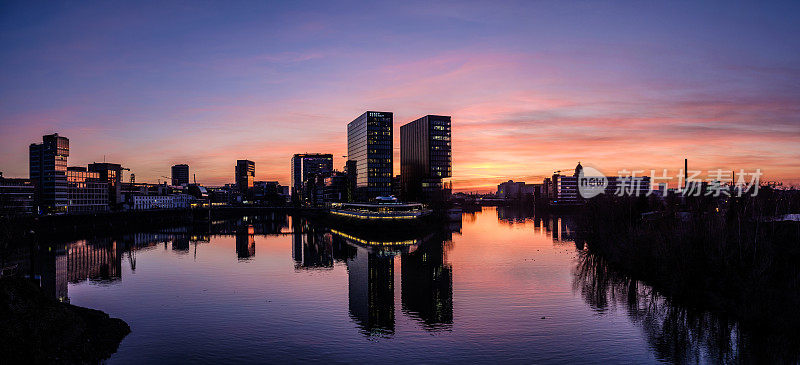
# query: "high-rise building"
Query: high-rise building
{"points": [[425, 156], [245, 175], [180, 175], [369, 143], [48, 172], [305, 166]]}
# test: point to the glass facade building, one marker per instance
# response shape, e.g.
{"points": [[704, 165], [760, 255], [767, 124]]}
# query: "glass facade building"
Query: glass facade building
{"points": [[180, 175], [48, 172], [425, 156], [370, 145]]}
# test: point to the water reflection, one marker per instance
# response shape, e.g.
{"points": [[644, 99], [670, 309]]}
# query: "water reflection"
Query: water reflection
{"points": [[312, 247], [677, 333], [370, 288], [96, 260], [245, 241], [393, 281], [560, 228], [426, 276], [426, 280]]}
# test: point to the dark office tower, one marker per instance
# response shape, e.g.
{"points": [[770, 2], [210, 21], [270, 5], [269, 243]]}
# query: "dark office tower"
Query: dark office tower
{"points": [[180, 175], [369, 143], [111, 174], [305, 167], [48, 172], [245, 174], [425, 156]]}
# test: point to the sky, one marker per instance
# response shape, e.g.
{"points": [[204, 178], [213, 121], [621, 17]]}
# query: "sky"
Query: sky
{"points": [[532, 86]]}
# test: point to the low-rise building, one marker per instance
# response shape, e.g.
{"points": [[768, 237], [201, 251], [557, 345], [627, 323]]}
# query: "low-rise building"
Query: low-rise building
{"points": [[566, 189], [518, 190], [86, 193], [16, 196], [148, 202], [269, 193]]}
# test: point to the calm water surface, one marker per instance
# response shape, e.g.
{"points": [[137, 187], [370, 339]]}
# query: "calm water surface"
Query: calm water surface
{"points": [[500, 286]]}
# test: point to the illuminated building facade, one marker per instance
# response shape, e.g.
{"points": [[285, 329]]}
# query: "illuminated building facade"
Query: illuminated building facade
{"points": [[370, 145]]}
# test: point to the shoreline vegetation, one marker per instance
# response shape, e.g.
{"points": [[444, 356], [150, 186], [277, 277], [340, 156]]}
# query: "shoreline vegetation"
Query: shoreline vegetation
{"points": [[726, 256]]}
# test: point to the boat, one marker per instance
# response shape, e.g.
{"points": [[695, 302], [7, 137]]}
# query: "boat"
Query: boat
{"points": [[382, 209]]}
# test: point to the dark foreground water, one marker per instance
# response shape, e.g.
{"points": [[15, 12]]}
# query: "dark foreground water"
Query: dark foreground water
{"points": [[499, 287]]}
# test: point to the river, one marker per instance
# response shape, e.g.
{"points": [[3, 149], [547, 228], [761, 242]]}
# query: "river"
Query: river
{"points": [[501, 286]]}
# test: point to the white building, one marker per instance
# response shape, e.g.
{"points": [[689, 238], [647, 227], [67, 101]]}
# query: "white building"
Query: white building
{"points": [[147, 202], [565, 190]]}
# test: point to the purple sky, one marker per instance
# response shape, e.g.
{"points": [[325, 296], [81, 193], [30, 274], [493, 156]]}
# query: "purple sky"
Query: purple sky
{"points": [[532, 87]]}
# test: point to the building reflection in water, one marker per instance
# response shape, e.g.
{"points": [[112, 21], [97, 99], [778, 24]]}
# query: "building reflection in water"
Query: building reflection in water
{"points": [[246, 229], [426, 281], [96, 260], [245, 242], [371, 291], [426, 288], [426, 278], [181, 244], [312, 248], [515, 214], [560, 228], [99, 260]]}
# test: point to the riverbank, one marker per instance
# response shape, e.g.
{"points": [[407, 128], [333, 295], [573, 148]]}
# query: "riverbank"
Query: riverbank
{"points": [[728, 262], [38, 329]]}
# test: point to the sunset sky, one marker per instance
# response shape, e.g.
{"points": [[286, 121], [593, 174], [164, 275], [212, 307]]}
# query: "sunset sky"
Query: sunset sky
{"points": [[532, 87]]}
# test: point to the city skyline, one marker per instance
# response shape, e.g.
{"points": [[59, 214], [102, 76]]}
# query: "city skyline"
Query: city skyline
{"points": [[639, 86]]}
